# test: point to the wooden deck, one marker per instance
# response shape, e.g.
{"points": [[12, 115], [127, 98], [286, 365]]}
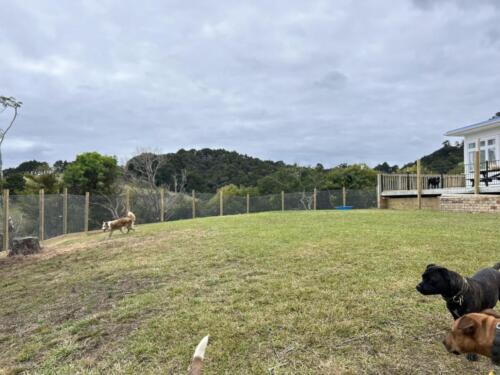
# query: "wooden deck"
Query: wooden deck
{"points": [[400, 185]]}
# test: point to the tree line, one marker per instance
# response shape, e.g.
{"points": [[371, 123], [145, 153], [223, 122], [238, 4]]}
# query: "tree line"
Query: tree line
{"points": [[207, 171]]}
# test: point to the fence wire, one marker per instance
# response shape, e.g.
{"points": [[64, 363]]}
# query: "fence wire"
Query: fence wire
{"points": [[25, 214], [271, 202], [147, 207], [207, 204]]}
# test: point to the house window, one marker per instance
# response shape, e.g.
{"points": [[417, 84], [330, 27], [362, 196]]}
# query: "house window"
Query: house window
{"points": [[487, 152], [491, 154], [491, 149]]}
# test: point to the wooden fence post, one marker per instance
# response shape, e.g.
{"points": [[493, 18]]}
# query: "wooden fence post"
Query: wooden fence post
{"points": [[248, 203], [65, 211], [127, 200], [221, 202], [86, 211], [162, 204], [193, 204], [5, 220], [419, 185], [344, 196], [379, 190], [315, 199], [41, 220], [282, 200], [477, 170]]}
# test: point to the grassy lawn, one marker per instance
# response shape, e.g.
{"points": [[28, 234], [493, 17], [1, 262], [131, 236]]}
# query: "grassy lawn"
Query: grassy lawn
{"points": [[280, 293]]}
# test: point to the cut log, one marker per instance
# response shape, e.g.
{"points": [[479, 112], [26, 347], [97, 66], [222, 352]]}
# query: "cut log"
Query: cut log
{"points": [[25, 246]]}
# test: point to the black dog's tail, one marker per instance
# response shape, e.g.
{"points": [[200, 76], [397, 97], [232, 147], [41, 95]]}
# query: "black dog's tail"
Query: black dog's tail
{"points": [[497, 266]]}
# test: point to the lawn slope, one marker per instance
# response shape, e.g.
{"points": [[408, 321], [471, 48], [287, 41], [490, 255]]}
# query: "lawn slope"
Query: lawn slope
{"points": [[321, 292]]}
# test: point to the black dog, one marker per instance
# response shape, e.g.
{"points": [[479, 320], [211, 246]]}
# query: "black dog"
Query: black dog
{"points": [[433, 182], [463, 295]]}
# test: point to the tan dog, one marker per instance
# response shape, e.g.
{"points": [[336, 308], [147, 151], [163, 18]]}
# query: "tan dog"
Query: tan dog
{"points": [[199, 354], [474, 333], [119, 224]]}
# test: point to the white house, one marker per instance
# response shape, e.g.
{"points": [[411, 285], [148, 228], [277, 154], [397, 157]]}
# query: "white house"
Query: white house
{"points": [[486, 136]]}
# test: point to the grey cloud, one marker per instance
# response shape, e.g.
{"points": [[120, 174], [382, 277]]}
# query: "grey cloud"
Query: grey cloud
{"points": [[298, 81], [333, 80]]}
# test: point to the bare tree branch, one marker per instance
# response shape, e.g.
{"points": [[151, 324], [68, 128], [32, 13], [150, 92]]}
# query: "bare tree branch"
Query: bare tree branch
{"points": [[7, 102]]}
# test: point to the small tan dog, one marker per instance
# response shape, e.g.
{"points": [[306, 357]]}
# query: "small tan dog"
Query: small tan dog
{"points": [[118, 224], [199, 354], [476, 333]]}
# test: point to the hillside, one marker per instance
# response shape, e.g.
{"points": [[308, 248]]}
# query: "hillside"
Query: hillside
{"points": [[209, 169], [448, 159], [280, 293]]}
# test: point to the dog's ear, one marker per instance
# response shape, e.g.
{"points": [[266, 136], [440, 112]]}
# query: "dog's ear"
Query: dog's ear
{"points": [[430, 265], [467, 325], [491, 312]]}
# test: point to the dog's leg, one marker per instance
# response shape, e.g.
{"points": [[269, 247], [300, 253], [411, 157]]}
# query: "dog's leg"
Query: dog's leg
{"points": [[473, 357], [110, 233]]}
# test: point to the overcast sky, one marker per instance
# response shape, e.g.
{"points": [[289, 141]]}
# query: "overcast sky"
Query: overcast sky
{"points": [[300, 81]]}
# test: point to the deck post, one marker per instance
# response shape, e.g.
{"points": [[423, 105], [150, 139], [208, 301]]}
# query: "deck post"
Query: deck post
{"points": [[477, 170], [344, 196], [419, 185], [248, 203], [282, 200], [379, 189]]}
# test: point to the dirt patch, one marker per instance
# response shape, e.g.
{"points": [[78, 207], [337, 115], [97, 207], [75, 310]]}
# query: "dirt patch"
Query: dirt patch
{"points": [[73, 243]]}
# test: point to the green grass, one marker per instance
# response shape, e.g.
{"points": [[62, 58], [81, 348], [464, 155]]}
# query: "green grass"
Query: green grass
{"points": [[280, 293]]}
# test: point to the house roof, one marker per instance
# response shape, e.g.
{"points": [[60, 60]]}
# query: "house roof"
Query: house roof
{"points": [[495, 121]]}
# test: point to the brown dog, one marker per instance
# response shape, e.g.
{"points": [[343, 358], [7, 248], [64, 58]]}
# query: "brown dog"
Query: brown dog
{"points": [[475, 333], [119, 224]]}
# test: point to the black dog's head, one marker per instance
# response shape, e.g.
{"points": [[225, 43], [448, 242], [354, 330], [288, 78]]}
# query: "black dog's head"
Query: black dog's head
{"points": [[435, 280]]}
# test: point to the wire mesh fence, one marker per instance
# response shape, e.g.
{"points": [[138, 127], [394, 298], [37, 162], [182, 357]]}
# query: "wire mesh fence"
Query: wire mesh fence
{"points": [[51, 215]]}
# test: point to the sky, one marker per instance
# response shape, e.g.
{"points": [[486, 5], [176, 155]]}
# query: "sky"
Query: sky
{"points": [[300, 81]]}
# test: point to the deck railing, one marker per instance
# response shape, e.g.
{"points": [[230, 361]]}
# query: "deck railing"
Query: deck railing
{"points": [[489, 173], [408, 182]]}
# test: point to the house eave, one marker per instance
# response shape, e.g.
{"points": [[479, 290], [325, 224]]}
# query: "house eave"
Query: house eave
{"points": [[471, 129]]}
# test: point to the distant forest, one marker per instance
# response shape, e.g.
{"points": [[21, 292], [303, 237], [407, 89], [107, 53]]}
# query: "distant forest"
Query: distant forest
{"points": [[208, 170]]}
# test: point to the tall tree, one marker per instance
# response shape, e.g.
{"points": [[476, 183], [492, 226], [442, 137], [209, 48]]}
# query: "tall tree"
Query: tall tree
{"points": [[92, 172], [7, 102]]}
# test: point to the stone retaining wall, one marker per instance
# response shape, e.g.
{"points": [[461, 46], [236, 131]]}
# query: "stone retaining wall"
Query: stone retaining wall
{"points": [[470, 203]]}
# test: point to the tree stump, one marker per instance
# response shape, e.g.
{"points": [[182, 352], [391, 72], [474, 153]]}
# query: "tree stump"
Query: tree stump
{"points": [[25, 246]]}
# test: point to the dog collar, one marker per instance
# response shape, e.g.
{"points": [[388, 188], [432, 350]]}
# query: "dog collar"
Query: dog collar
{"points": [[459, 297], [495, 349]]}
